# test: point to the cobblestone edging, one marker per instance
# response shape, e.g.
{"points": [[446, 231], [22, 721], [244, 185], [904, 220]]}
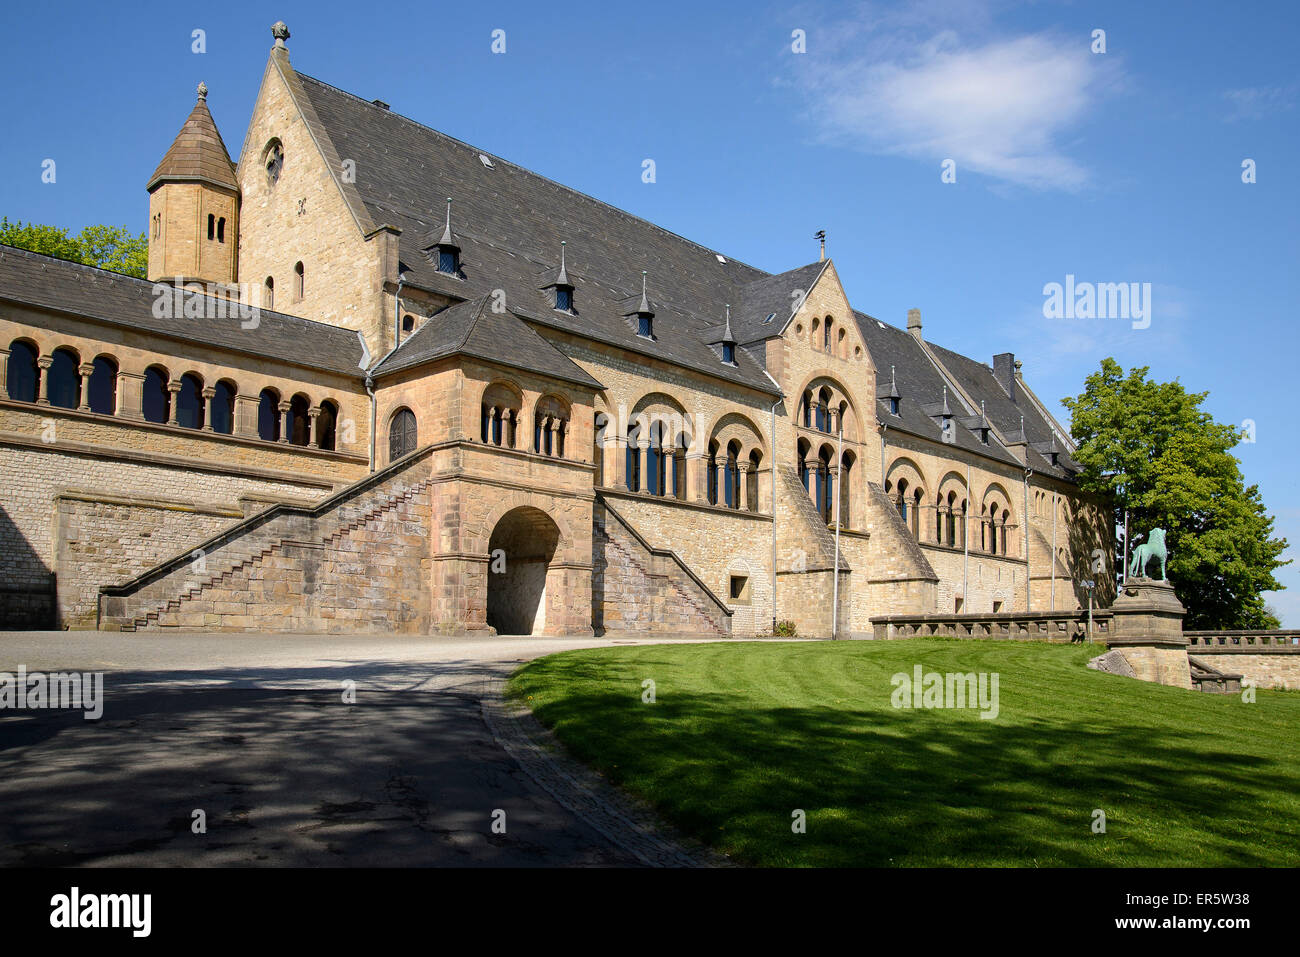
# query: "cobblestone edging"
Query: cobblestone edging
{"points": [[623, 820]]}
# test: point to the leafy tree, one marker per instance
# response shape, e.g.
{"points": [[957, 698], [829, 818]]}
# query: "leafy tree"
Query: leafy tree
{"points": [[108, 247], [1149, 447]]}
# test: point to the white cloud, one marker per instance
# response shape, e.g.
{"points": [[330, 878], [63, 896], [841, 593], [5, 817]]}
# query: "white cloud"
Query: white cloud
{"points": [[1000, 106], [1257, 102]]}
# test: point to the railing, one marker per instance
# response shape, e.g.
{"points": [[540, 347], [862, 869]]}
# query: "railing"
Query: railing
{"points": [[1024, 626]]}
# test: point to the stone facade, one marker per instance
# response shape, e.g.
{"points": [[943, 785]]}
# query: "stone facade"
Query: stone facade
{"points": [[601, 487]]}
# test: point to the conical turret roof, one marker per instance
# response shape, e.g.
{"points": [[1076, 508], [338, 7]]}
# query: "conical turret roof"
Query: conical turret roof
{"points": [[198, 152]]}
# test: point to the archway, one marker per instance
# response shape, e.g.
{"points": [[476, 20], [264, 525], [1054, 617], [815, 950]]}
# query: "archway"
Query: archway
{"points": [[520, 552]]}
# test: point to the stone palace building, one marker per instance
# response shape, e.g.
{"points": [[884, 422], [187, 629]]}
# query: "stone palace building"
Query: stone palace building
{"points": [[380, 380]]}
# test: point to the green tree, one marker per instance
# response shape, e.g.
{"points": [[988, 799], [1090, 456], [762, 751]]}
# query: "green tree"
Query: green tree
{"points": [[108, 247], [1149, 447]]}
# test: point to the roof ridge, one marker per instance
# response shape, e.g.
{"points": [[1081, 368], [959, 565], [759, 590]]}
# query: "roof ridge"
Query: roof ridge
{"points": [[524, 169]]}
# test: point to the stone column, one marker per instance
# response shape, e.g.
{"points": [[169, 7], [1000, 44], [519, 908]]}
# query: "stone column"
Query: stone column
{"points": [[313, 414], [697, 477], [814, 466], [668, 462], [615, 451], [720, 471], [209, 393], [44, 363], [744, 469], [246, 408], [4, 373], [284, 421], [173, 387], [491, 425], [85, 370], [562, 439], [553, 427]]}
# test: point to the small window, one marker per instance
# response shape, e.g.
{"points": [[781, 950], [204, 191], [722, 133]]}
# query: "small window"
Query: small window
{"points": [[157, 225], [645, 326], [448, 260], [739, 590], [893, 406], [299, 281], [729, 353], [957, 603], [274, 162], [563, 299], [408, 322], [221, 230], [997, 607], [212, 226]]}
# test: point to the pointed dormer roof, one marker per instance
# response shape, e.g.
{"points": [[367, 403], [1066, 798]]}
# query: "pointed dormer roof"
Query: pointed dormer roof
{"points": [[446, 237], [198, 153], [560, 278], [642, 308]]}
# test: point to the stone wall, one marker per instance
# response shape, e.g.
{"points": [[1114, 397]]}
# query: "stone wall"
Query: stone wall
{"points": [[638, 590], [100, 518], [1271, 659]]}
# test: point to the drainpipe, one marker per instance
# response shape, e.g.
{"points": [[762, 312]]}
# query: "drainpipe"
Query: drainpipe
{"points": [[839, 508], [370, 390], [773, 451], [1025, 534], [965, 547], [884, 427], [1053, 550]]}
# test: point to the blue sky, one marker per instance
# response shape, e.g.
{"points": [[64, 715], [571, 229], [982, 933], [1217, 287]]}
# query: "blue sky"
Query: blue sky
{"points": [[1123, 166]]}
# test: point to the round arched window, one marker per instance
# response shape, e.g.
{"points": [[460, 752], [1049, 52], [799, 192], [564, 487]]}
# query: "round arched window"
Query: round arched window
{"points": [[401, 434]]}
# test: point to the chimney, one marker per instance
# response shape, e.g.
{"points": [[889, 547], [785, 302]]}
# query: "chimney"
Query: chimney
{"points": [[1005, 371], [914, 322]]}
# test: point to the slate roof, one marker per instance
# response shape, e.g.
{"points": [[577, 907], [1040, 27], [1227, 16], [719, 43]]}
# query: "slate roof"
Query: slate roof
{"points": [[921, 393], [197, 153], [510, 222], [34, 279], [472, 328]]}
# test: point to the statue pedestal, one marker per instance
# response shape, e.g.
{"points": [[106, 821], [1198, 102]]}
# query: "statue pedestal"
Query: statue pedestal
{"points": [[1147, 629]]}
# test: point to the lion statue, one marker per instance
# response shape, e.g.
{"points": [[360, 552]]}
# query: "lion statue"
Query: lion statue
{"points": [[1154, 547]]}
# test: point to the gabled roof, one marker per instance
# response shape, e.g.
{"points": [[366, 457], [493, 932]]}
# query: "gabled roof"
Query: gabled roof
{"points": [[472, 328], [921, 385], [510, 223], [198, 152], [767, 305], [36, 280]]}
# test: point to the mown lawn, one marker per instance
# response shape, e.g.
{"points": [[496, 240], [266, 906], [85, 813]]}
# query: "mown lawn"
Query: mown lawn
{"points": [[742, 734]]}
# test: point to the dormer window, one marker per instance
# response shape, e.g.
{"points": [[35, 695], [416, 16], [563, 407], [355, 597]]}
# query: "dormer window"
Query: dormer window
{"points": [[893, 406], [564, 298], [449, 260], [729, 353], [645, 325]]}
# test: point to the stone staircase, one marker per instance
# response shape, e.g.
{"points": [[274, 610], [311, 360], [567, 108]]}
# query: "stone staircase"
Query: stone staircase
{"points": [[351, 562], [638, 589]]}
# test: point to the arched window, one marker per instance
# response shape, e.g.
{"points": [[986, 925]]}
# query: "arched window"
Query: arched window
{"points": [[103, 386], [22, 374], [715, 498], [65, 380], [825, 488], [826, 334], [299, 284], [189, 402], [327, 425], [633, 464], [801, 451], [268, 294], [155, 401], [221, 229], [805, 412], [402, 434], [212, 226], [268, 416], [299, 422], [273, 162], [846, 489], [500, 415], [221, 414], [755, 467]]}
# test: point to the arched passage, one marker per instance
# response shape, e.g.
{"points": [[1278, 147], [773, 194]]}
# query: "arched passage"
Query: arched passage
{"points": [[520, 552]]}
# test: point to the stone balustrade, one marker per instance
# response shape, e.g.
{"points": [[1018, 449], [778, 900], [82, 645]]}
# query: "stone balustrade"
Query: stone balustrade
{"points": [[1058, 625]]}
